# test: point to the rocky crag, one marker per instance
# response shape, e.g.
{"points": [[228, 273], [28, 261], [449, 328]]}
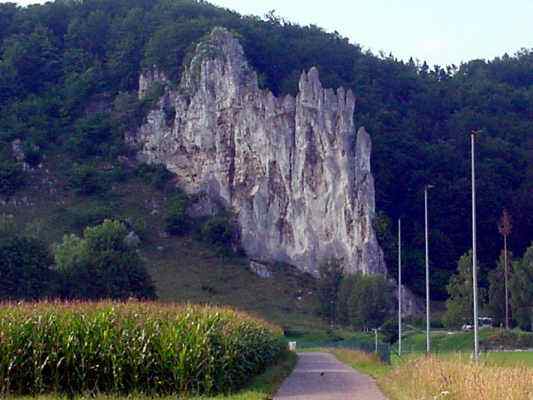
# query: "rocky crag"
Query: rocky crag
{"points": [[293, 170]]}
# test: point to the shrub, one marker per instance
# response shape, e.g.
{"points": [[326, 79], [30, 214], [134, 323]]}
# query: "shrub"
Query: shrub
{"points": [[85, 179], [329, 281], [508, 339], [365, 301], [176, 220], [127, 112], [25, 269], [156, 175], [95, 135], [220, 232], [81, 216], [389, 329], [149, 348], [101, 265]]}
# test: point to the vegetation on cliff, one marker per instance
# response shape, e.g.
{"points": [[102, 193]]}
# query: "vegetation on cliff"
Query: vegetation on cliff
{"points": [[69, 71]]}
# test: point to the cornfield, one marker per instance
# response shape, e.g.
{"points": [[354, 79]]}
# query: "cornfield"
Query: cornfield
{"points": [[433, 378], [121, 348]]}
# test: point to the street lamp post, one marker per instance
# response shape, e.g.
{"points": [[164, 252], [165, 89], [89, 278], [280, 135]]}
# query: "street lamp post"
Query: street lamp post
{"points": [[474, 255], [427, 265], [399, 286]]}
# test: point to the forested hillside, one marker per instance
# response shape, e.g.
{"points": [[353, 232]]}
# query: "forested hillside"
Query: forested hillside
{"points": [[68, 79]]}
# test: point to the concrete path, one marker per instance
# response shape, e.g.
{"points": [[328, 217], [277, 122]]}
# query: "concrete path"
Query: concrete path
{"points": [[320, 376]]}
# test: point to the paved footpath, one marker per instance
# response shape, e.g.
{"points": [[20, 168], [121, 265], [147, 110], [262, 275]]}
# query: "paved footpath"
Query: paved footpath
{"points": [[320, 376]]}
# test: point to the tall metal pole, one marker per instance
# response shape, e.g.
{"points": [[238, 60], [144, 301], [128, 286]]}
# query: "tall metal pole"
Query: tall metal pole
{"points": [[399, 286], [427, 267], [506, 287], [474, 255]]}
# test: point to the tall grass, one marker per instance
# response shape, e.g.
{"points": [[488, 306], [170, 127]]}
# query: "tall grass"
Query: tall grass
{"points": [[130, 347], [431, 378]]}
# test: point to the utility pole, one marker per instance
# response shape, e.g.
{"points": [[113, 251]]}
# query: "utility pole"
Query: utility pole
{"points": [[399, 286], [474, 255], [428, 343]]}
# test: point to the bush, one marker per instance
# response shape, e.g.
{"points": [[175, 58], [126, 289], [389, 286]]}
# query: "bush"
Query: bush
{"points": [[330, 278], [148, 348], [220, 232], [156, 175], [127, 112], [25, 269], [101, 265], [365, 301], [85, 179], [390, 331], [508, 339], [81, 216], [176, 220], [11, 178], [95, 135]]}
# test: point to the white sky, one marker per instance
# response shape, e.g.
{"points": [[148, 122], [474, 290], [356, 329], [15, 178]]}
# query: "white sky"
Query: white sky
{"points": [[440, 32]]}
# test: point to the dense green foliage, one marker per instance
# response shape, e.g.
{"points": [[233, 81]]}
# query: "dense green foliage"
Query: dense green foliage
{"points": [[496, 292], [329, 282], [69, 70], [147, 348], [220, 232], [177, 222], [522, 290], [364, 301], [459, 306], [520, 275], [101, 265], [358, 301], [25, 268]]}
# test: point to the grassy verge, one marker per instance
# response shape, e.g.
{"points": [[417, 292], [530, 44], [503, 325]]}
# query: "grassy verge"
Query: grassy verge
{"points": [[367, 363], [450, 376], [456, 378], [262, 387]]}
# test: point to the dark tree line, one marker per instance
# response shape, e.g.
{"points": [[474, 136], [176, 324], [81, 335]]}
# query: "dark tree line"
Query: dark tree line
{"points": [[69, 69]]}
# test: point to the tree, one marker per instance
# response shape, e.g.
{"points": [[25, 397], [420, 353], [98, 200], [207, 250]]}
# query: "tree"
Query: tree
{"points": [[504, 227], [25, 269], [459, 306], [497, 291], [329, 281], [522, 290], [101, 265], [365, 301]]}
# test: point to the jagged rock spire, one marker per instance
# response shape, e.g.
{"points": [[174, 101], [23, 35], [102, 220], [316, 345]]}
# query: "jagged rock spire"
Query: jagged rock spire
{"points": [[289, 169]]}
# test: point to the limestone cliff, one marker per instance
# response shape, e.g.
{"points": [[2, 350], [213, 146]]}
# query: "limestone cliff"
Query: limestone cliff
{"points": [[293, 170]]}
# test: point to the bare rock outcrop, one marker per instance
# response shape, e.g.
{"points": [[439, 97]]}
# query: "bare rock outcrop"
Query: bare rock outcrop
{"points": [[293, 170]]}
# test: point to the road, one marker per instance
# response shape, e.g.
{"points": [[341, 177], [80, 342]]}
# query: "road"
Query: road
{"points": [[320, 376]]}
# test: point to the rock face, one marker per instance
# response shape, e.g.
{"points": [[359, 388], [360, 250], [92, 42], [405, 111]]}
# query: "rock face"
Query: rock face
{"points": [[293, 170]]}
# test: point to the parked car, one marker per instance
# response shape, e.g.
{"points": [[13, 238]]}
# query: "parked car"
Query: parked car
{"points": [[483, 322]]}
